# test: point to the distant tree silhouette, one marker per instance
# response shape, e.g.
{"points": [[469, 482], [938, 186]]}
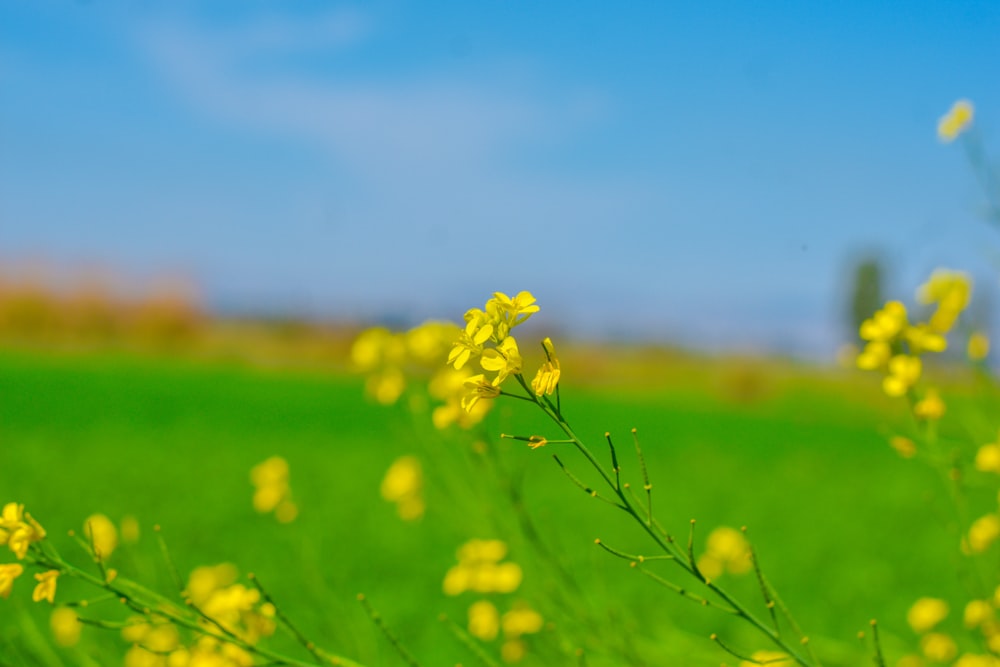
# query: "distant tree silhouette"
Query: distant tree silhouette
{"points": [[867, 278]]}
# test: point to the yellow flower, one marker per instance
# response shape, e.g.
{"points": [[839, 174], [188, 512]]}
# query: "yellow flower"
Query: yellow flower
{"points": [[478, 330], [522, 620], [923, 339], [102, 534], [979, 346], [272, 491], [958, 118], [983, 532], [874, 356], [403, 485], [938, 647], [505, 360], [65, 626], [926, 613], [988, 458], [548, 375], [510, 312], [904, 371], [903, 446], [885, 324], [977, 612], [513, 650], [448, 385], [930, 406], [769, 658], [386, 386], [46, 588], [477, 387], [8, 573], [726, 549], [484, 621], [971, 660], [951, 291]]}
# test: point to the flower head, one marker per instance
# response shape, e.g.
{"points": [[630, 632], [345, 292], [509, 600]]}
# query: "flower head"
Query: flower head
{"points": [[8, 573], [46, 588], [926, 613], [956, 121]]}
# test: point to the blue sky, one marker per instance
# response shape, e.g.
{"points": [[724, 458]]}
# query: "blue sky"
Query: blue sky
{"points": [[699, 172]]}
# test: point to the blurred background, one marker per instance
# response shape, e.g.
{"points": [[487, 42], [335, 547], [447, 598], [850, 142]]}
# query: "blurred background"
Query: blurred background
{"points": [[709, 175]]}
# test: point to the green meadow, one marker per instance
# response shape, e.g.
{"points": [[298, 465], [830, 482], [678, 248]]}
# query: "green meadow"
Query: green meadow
{"points": [[845, 528]]}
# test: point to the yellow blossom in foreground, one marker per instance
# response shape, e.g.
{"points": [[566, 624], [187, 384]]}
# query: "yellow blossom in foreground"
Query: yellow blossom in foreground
{"points": [[46, 588], [979, 346], [504, 359], [769, 658], [508, 312], [547, 376], [726, 550], [930, 406], [8, 573], [478, 387], [958, 118], [102, 535], [971, 660], [903, 446], [976, 613], [403, 485], [875, 355], [448, 385], [904, 371], [484, 621], [885, 324], [18, 530], [65, 626], [983, 532], [938, 647], [926, 613], [470, 341]]}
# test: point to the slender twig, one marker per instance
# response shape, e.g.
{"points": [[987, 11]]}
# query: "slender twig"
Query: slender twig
{"points": [[393, 639]]}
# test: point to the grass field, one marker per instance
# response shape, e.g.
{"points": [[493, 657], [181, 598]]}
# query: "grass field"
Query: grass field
{"points": [[845, 528]]}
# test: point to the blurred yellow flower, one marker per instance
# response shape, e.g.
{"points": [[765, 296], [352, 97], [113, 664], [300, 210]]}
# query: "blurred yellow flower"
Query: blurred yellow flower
{"points": [[924, 339], [874, 355], [971, 660], [479, 569], [983, 532], [8, 573], [484, 621], [129, 529], [904, 371], [65, 626], [403, 485], [885, 324], [976, 613], [769, 658], [930, 406], [726, 550], [272, 491], [46, 587], [102, 535], [938, 647], [951, 291], [956, 121], [926, 613], [979, 346], [903, 446], [522, 620], [988, 458], [513, 650]]}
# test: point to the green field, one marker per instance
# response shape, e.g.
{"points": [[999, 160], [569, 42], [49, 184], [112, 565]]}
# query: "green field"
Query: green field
{"points": [[845, 528]]}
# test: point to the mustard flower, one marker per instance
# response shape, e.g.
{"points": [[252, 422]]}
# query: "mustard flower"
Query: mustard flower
{"points": [[938, 647], [903, 446], [478, 330], [926, 613], [102, 534], [769, 658], [726, 550], [951, 291], [478, 387], [983, 532], [522, 620], [484, 621], [885, 324], [65, 626], [956, 121], [904, 371], [922, 338], [403, 485], [547, 376], [505, 359], [46, 588], [129, 529], [976, 613], [979, 346], [988, 457], [930, 406], [448, 385], [510, 312], [875, 355], [8, 573]]}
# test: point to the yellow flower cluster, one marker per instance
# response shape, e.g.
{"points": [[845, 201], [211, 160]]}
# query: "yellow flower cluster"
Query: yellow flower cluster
{"points": [[480, 569], [237, 608], [769, 658], [157, 643], [387, 356], [895, 346], [486, 623], [487, 337], [956, 121], [726, 550], [403, 484], [102, 535], [272, 491], [18, 530], [938, 647]]}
